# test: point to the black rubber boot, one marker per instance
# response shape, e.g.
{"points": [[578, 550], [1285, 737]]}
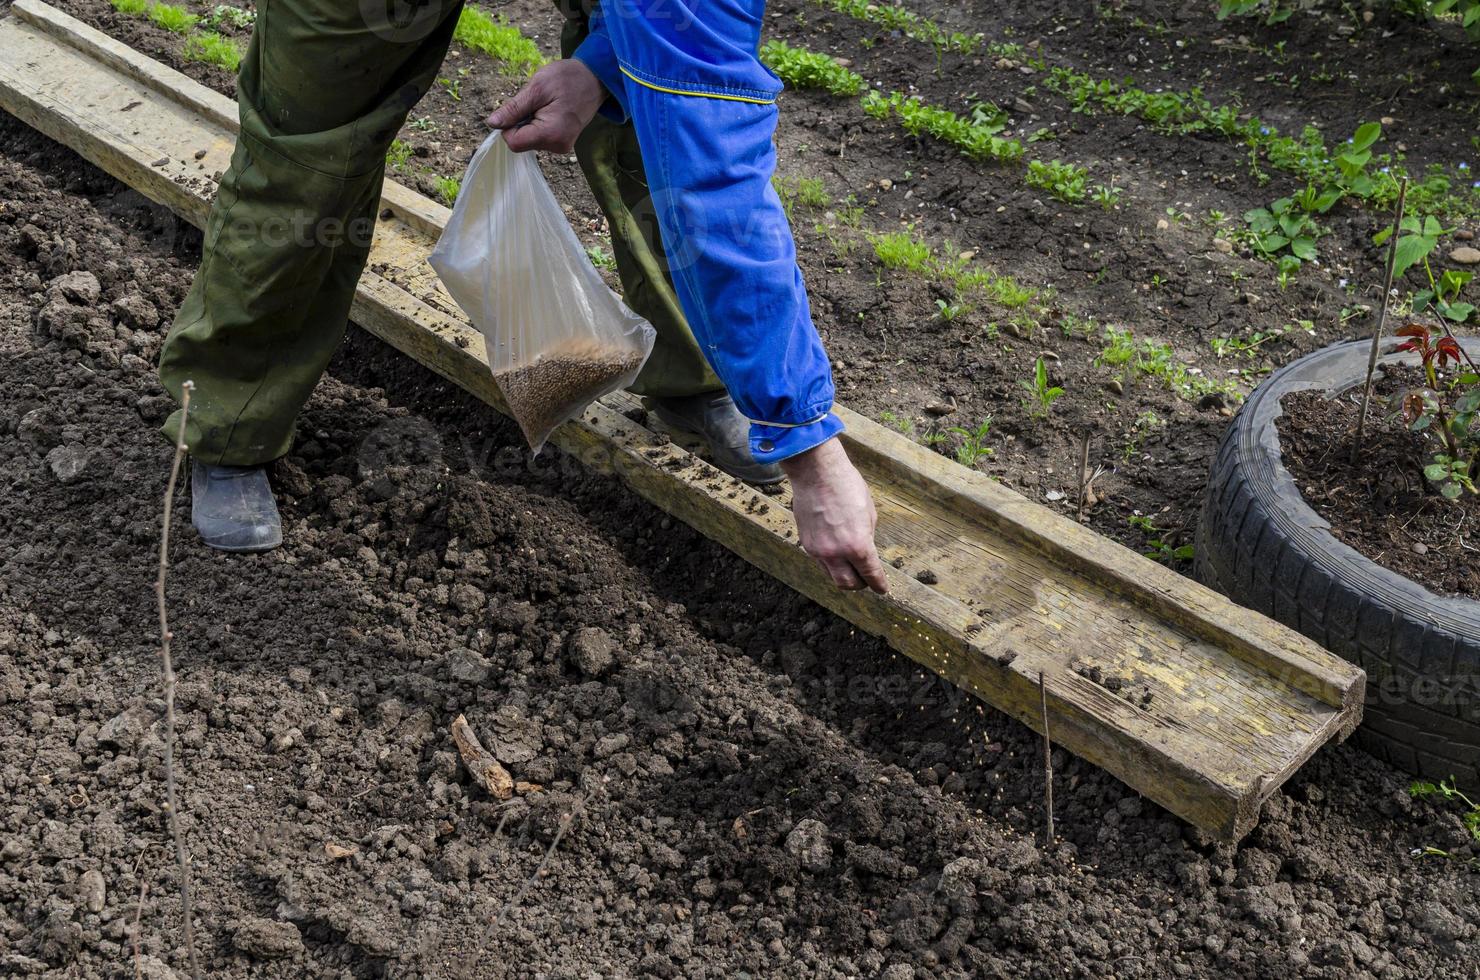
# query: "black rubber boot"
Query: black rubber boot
{"points": [[719, 422], [233, 508]]}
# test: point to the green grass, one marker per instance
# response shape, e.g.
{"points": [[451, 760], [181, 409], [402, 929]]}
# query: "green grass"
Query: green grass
{"points": [[901, 250], [801, 68], [447, 189], [213, 49], [500, 40], [1155, 360], [176, 20], [809, 192], [131, 7]]}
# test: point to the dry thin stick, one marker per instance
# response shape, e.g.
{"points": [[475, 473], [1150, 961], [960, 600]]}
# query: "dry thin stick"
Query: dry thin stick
{"points": [[1387, 288], [169, 685], [1084, 477], [565, 825], [480, 762], [1047, 760], [139, 914]]}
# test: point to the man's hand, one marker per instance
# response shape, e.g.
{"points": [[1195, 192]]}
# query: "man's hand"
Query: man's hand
{"points": [[550, 111], [835, 516]]}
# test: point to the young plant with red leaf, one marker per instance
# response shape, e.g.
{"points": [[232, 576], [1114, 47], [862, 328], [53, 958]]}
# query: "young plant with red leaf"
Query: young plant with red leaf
{"points": [[1445, 408]]}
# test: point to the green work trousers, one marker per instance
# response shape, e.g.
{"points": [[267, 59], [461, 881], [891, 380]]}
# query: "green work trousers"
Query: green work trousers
{"points": [[324, 88]]}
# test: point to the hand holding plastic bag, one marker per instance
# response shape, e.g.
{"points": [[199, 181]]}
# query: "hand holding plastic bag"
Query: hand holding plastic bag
{"points": [[558, 338]]}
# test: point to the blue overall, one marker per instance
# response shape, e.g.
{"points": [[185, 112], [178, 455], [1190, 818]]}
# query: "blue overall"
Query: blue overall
{"points": [[688, 75]]}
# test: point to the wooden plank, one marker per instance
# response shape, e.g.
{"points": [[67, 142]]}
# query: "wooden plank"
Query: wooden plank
{"points": [[1203, 706]]}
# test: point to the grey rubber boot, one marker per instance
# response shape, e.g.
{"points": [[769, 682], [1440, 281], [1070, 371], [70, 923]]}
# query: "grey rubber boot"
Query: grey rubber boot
{"points": [[233, 509], [715, 417]]}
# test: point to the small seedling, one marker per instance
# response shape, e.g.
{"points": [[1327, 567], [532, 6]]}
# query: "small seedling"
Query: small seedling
{"points": [[900, 423], [447, 189], [1041, 395], [398, 155], [1157, 547], [1449, 409], [234, 17], [1064, 181], [601, 258], [973, 447], [1106, 197], [901, 250], [1448, 791], [801, 68], [948, 311]]}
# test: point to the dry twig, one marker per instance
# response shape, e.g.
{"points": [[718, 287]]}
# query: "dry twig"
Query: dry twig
{"points": [[169, 686], [139, 914], [565, 825], [1387, 288], [480, 762], [1047, 762]]}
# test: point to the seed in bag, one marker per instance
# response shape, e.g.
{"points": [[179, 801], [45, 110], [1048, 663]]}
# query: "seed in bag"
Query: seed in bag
{"points": [[563, 380]]}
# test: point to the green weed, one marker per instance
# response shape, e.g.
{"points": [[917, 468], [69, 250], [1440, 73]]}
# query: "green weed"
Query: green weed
{"points": [[447, 189], [601, 258], [973, 447], [1445, 789], [1156, 546], [398, 155], [809, 192], [130, 7], [1041, 395], [233, 17]]}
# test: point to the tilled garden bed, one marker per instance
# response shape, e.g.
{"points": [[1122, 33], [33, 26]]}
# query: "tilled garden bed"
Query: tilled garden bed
{"points": [[749, 786]]}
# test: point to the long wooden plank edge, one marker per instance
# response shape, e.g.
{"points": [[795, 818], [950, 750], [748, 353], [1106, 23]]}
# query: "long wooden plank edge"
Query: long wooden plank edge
{"points": [[1223, 811], [1270, 646], [1283, 653], [421, 213]]}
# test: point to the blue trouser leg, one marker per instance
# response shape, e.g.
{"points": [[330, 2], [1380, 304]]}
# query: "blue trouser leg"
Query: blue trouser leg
{"points": [[687, 73]]}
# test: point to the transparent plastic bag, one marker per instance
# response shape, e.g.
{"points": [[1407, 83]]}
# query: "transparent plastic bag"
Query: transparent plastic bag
{"points": [[558, 338]]}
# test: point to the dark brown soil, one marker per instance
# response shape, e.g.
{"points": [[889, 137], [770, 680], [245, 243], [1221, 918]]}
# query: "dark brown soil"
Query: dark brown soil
{"points": [[1380, 504], [757, 789]]}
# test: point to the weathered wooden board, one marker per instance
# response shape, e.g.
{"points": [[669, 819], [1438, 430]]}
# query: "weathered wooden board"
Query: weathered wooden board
{"points": [[1212, 706]]}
